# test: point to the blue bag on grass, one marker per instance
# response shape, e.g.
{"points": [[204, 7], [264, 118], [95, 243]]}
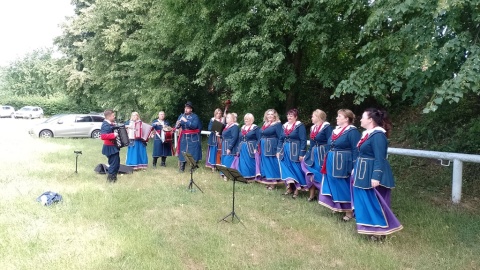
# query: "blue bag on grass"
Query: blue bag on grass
{"points": [[49, 197]]}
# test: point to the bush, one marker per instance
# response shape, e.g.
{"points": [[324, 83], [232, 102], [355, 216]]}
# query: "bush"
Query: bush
{"points": [[52, 105]]}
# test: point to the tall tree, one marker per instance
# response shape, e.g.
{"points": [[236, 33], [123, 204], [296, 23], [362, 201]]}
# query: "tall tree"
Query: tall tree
{"points": [[37, 73], [426, 51]]}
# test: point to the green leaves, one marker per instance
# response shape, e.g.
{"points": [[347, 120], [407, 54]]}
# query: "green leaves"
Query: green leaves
{"points": [[159, 53], [423, 49], [37, 73]]}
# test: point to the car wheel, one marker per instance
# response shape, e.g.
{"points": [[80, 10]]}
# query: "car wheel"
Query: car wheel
{"points": [[96, 134], [45, 134]]}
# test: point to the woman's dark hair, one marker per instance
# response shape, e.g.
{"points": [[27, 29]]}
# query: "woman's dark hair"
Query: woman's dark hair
{"points": [[293, 112], [381, 119]]}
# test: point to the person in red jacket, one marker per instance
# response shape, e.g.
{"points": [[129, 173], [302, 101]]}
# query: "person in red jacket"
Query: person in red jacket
{"points": [[109, 149]]}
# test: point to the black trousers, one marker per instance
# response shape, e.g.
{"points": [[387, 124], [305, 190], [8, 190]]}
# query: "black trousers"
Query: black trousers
{"points": [[114, 163]]}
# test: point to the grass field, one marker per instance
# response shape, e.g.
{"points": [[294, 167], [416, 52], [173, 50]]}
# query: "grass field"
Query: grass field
{"points": [[150, 220]]}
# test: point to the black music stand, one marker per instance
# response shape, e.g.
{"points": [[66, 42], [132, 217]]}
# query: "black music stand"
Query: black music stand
{"points": [[217, 126], [235, 176], [193, 165]]}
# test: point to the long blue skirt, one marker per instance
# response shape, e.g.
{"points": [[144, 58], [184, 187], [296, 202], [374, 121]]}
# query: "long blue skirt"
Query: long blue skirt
{"points": [[335, 193], [137, 155], [227, 161], [316, 168], [269, 167], [211, 156], [372, 211], [291, 172], [310, 177], [246, 164]]}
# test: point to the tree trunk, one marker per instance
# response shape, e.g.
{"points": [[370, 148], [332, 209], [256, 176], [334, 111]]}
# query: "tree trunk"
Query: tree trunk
{"points": [[292, 94]]}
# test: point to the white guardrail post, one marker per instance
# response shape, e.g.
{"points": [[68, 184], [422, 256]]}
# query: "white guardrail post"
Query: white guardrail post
{"points": [[457, 181]]}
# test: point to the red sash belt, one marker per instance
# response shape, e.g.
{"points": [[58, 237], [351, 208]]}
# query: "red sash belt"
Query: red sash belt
{"points": [[185, 132]]}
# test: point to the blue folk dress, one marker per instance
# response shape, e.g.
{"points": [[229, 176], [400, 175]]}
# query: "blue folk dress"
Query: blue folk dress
{"points": [[190, 141], [372, 205], [160, 149], [249, 161], [291, 146], [335, 191], [212, 149], [229, 142], [269, 167], [136, 152], [313, 160]]}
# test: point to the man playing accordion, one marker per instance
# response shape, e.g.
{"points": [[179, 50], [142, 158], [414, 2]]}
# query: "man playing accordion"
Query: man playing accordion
{"points": [[110, 150]]}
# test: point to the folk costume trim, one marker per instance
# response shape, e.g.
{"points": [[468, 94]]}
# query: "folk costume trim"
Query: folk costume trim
{"points": [[246, 131], [315, 129], [288, 130], [267, 125]]}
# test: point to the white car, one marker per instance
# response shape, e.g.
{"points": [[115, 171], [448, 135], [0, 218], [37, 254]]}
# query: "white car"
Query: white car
{"points": [[6, 111], [29, 112], [69, 125]]}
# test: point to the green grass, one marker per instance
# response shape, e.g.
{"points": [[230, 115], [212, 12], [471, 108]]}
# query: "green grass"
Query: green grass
{"points": [[149, 220]]}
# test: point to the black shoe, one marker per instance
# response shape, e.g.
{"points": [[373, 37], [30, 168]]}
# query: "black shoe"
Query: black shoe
{"points": [[154, 165], [114, 176], [163, 162], [182, 167], [110, 178]]}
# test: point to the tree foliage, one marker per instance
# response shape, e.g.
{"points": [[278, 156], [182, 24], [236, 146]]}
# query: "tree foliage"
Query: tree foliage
{"points": [[426, 51], [163, 52], [156, 54], [37, 73]]}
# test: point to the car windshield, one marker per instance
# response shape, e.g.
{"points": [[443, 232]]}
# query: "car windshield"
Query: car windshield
{"points": [[25, 109], [55, 117]]}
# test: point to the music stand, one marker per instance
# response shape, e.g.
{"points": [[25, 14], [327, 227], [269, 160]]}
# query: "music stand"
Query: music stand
{"points": [[235, 176], [193, 166], [217, 126]]}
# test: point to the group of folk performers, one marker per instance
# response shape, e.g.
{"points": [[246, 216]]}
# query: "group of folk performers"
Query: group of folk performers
{"points": [[349, 170], [137, 148]]}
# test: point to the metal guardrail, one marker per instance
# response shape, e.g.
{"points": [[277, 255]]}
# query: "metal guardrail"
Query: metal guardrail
{"points": [[457, 159]]}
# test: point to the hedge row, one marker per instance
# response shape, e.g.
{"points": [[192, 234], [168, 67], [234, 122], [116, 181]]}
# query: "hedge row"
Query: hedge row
{"points": [[51, 105]]}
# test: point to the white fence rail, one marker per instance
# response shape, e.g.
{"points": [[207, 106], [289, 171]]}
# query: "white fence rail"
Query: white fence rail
{"points": [[457, 159]]}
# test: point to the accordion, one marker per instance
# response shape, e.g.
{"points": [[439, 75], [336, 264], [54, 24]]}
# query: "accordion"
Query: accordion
{"points": [[142, 131], [122, 137]]}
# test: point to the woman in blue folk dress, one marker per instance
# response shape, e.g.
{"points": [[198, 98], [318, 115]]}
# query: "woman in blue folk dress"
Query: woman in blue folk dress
{"points": [[270, 133], [335, 192], [229, 141], [213, 140], [161, 148], [249, 161], [373, 178], [312, 163], [291, 149], [137, 150]]}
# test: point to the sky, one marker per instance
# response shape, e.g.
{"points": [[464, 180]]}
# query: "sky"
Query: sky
{"points": [[26, 25]]}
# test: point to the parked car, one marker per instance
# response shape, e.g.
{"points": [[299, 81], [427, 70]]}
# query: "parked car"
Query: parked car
{"points": [[69, 125], [29, 112], [6, 111]]}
